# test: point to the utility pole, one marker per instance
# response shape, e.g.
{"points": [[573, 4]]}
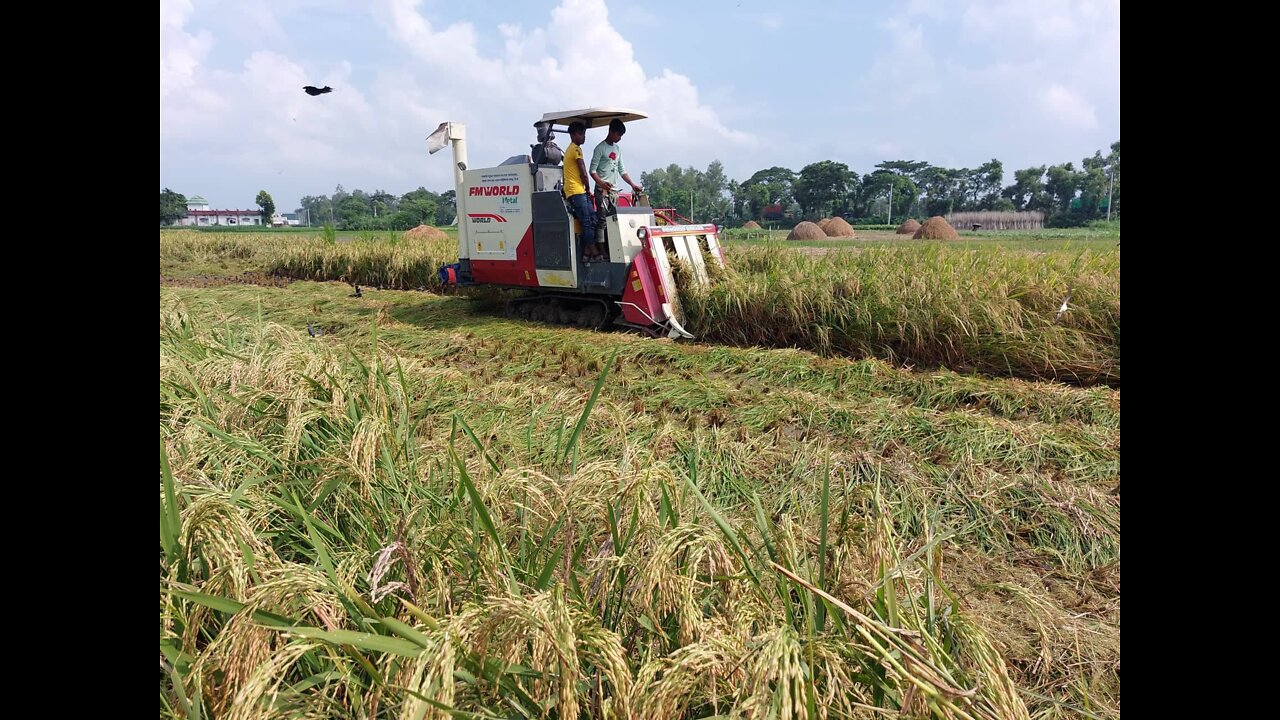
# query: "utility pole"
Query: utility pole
{"points": [[1110, 187]]}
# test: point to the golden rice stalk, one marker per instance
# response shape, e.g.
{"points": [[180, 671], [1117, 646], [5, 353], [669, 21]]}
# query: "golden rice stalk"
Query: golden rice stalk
{"points": [[676, 577], [710, 670], [432, 677], [997, 693], [260, 692]]}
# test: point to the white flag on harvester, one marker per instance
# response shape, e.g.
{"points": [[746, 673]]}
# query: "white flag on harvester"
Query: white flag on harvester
{"points": [[438, 139]]}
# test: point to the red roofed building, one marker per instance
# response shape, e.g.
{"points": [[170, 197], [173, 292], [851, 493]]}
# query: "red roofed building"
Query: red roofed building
{"points": [[199, 214]]}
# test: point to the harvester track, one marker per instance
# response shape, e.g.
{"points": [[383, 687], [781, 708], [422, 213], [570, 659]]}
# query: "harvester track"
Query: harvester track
{"points": [[560, 309]]}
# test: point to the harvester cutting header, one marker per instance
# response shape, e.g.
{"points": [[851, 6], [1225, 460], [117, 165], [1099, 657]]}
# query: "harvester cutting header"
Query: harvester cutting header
{"points": [[515, 230]]}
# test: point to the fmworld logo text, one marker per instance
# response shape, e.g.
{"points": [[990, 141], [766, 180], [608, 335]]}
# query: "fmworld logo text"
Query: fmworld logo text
{"points": [[494, 190]]}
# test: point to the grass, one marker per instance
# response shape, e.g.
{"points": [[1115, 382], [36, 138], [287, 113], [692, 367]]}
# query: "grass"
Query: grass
{"points": [[981, 306], [432, 512], [377, 259], [1048, 240], [990, 310]]}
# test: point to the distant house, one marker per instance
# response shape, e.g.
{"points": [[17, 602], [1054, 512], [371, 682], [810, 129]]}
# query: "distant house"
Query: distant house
{"points": [[772, 212], [199, 214]]}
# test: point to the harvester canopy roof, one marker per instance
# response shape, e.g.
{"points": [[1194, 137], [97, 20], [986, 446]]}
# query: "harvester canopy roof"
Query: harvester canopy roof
{"points": [[592, 117]]}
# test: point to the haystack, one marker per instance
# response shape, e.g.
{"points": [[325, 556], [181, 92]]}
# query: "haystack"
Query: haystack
{"points": [[425, 232], [909, 227], [751, 225], [936, 228], [823, 223], [838, 227], [807, 231]]}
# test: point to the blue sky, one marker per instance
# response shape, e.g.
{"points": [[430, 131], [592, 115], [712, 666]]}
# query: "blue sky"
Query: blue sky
{"points": [[751, 83]]}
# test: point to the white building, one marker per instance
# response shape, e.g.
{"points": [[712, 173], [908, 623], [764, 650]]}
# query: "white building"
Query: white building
{"points": [[199, 214]]}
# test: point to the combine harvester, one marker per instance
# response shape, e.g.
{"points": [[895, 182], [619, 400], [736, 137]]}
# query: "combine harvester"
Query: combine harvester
{"points": [[515, 231]]}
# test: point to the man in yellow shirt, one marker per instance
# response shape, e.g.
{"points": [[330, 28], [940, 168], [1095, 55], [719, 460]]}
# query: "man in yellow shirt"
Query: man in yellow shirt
{"points": [[575, 191]]}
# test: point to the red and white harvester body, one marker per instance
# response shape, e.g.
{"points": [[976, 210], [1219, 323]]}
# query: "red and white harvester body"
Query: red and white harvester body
{"points": [[515, 231]]}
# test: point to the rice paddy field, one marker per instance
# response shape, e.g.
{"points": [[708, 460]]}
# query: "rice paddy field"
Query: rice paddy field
{"points": [[883, 482]]}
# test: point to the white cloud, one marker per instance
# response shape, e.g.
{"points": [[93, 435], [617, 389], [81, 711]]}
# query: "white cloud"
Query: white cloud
{"points": [[907, 36], [257, 17], [768, 21], [929, 8], [253, 123], [887, 149], [1068, 108], [907, 75], [453, 47], [1032, 24], [1028, 81], [578, 60], [938, 80], [180, 52], [638, 16]]}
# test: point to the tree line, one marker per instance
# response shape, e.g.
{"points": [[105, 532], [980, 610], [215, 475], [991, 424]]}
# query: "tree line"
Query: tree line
{"points": [[893, 189], [354, 210]]}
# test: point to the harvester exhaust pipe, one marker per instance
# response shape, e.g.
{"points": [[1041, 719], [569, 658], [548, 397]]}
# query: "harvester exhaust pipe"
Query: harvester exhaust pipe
{"points": [[455, 133]]}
